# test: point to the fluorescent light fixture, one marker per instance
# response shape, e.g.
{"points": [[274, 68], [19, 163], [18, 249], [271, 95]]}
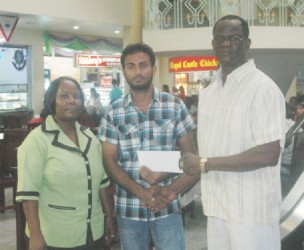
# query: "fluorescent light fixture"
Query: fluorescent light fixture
{"points": [[76, 27], [117, 32]]}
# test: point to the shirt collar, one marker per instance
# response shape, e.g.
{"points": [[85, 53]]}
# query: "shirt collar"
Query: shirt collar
{"points": [[239, 73], [60, 139], [127, 102], [51, 124]]}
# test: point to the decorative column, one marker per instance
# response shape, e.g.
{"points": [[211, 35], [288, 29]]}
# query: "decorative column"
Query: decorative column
{"points": [[133, 34]]}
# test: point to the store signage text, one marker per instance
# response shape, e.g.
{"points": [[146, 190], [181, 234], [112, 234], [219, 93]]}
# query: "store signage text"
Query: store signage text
{"points": [[86, 60], [193, 63]]}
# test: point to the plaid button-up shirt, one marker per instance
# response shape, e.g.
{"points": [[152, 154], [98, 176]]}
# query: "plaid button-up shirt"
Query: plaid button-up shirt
{"points": [[124, 125]]}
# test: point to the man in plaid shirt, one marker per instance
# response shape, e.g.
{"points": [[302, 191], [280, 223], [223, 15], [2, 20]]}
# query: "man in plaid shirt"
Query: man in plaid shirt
{"points": [[147, 203]]}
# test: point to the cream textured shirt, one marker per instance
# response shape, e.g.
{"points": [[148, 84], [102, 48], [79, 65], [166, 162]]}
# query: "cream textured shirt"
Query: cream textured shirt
{"points": [[247, 111]]}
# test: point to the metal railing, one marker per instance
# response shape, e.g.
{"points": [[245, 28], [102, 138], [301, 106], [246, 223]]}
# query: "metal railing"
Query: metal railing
{"points": [[178, 14]]}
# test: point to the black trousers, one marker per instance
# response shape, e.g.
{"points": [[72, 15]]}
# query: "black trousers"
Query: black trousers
{"points": [[90, 245]]}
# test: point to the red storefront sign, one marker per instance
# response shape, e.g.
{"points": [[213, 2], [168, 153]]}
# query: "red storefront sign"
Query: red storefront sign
{"points": [[192, 63], [87, 60]]}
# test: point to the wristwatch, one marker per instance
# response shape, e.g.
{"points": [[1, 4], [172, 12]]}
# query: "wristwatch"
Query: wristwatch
{"points": [[181, 164], [203, 161]]}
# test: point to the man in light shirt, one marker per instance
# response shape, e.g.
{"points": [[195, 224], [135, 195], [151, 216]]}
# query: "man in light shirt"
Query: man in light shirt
{"points": [[241, 131]]}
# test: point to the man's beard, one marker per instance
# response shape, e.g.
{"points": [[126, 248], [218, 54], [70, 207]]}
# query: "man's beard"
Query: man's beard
{"points": [[140, 87]]}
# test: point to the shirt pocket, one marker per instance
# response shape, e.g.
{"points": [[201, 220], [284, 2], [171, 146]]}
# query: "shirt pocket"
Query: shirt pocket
{"points": [[65, 208], [129, 137], [164, 133]]}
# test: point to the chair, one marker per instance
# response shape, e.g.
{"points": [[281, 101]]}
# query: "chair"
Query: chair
{"points": [[88, 120], [9, 121], [34, 123], [7, 182], [16, 120], [12, 140], [8, 179]]}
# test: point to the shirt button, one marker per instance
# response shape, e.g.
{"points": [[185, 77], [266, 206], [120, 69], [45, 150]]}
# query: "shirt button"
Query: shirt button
{"points": [[89, 207], [89, 177], [89, 191], [88, 221]]}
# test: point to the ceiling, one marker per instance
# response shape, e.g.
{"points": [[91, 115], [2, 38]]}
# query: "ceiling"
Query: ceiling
{"points": [[61, 25], [98, 18]]}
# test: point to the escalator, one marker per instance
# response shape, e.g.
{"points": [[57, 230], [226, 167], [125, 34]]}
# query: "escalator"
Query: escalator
{"points": [[292, 211]]}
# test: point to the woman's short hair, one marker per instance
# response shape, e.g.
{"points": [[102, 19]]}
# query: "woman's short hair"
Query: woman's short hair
{"points": [[51, 93]]}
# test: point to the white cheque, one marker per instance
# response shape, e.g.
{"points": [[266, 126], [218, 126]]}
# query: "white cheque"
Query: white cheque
{"points": [[160, 161]]}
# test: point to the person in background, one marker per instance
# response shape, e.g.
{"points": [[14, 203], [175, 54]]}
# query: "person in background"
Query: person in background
{"points": [[286, 161], [241, 133], [61, 180], [297, 161], [115, 92], [291, 107], [147, 203], [181, 93], [299, 107], [174, 91], [193, 107], [289, 123], [93, 104], [165, 88], [293, 103]]}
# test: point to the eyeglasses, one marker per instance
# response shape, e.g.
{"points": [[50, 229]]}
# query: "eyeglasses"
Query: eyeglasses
{"points": [[219, 40]]}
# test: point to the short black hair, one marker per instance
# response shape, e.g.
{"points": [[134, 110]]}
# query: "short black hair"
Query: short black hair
{"points": [[51, 93], [135, 48], [244, 24], [300, 100]]}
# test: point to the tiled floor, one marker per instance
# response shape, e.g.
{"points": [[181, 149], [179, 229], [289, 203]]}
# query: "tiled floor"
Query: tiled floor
{"points": [[195, 229]]}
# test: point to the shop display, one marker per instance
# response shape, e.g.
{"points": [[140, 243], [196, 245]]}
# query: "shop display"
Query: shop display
{"points": [[192, 72], [13, 97], [103, 92], [13, 79]]}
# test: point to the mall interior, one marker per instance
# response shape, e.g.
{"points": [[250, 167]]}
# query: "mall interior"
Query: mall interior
{"points": [[84, 39]]}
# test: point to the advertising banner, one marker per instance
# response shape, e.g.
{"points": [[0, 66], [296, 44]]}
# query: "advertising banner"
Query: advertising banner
{"points": [[192, 63], [95, 61]]}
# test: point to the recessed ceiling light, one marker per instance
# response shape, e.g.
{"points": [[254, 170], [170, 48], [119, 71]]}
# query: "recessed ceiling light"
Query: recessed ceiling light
{"points": [[76, 27], [117, 32]]}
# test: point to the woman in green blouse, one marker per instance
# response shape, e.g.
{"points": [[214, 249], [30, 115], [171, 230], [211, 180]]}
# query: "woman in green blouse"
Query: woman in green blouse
{"points": [[61, 179]]}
